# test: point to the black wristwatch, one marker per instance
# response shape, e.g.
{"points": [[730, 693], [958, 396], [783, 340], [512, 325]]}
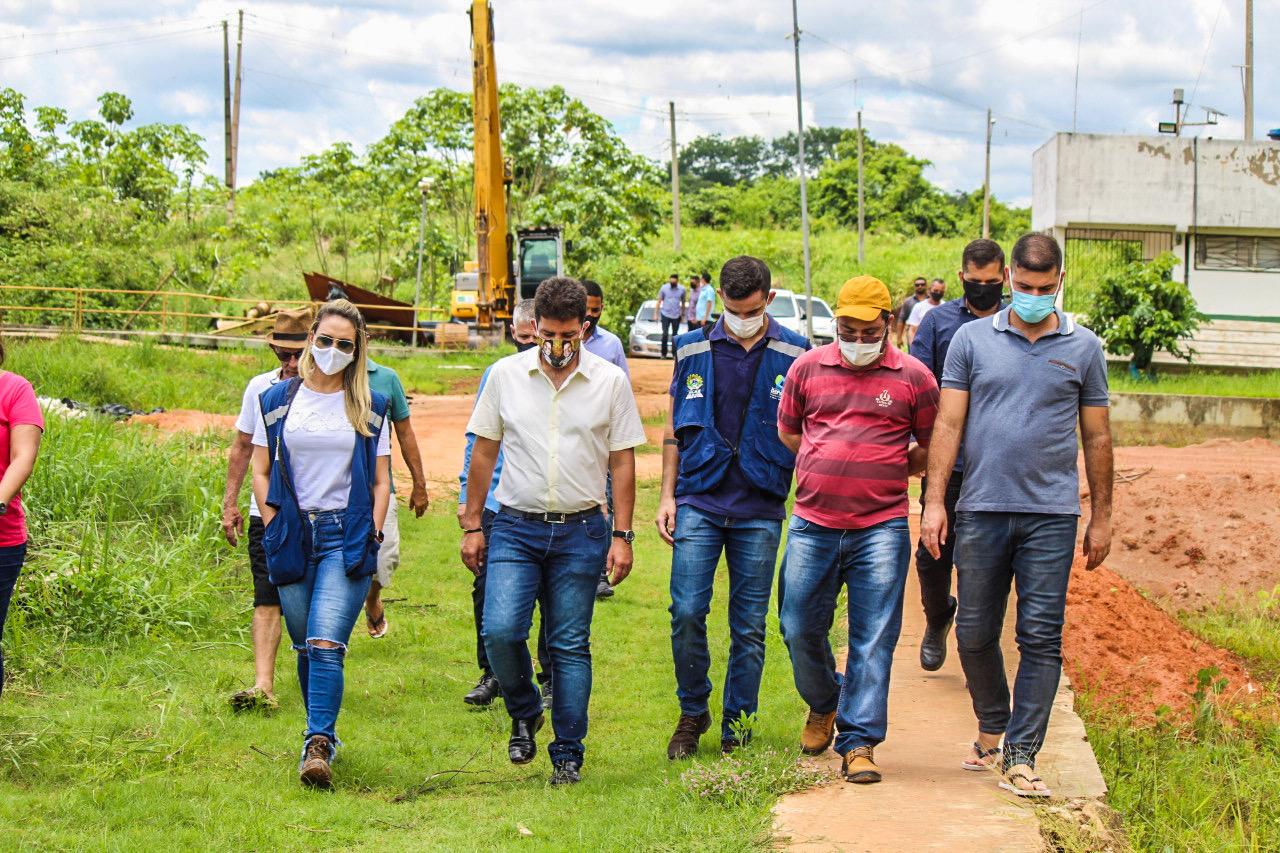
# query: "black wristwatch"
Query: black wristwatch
{"points": [[627, 536], [378, 536], [4, 507]]}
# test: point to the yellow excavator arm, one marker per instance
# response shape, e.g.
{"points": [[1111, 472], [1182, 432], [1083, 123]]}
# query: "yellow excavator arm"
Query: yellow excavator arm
{"points": [[493, 241]]}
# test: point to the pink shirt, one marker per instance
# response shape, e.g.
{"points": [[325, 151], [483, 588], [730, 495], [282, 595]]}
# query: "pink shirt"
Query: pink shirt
{"points": [[17, 406]]}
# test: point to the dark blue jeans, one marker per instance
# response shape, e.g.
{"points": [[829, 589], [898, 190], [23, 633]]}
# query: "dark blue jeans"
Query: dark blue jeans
{"points": [[873, 563], [322, 606], [1033, 551], [477, 611], [563, 561], [11, 559], [751, 549]]}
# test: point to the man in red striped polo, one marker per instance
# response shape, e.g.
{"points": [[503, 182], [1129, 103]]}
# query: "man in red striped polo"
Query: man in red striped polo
{"points": [[850, 410]]}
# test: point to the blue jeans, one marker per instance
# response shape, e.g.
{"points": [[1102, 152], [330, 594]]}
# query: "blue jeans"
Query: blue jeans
{"points": [[873, 563], [563, 560], [751, 548], [1033, 550], [11, 559], [322, 606], [477, 611]]}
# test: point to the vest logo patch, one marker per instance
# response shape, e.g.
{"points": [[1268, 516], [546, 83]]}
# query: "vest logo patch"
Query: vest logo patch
{"points": [[884, 401], [776, 391], [693, 386]]}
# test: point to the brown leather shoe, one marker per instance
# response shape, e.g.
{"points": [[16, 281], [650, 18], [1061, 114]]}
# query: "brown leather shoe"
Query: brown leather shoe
{"points": [[819, 731], [859, 766], [314, 771], [684, 742]]}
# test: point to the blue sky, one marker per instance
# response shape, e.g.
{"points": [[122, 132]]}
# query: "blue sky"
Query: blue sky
{"points": [[926, 70]]}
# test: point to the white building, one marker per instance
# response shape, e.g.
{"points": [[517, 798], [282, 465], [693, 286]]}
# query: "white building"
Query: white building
{"points": [[1215, 203]]}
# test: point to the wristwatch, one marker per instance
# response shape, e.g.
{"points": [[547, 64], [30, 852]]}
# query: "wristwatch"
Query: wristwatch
{"points": [[378, 535], [627, 536], [4, 507]]}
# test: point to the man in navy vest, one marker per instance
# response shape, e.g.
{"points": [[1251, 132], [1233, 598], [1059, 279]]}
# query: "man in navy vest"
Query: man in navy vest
{"points": [[725, 479]]}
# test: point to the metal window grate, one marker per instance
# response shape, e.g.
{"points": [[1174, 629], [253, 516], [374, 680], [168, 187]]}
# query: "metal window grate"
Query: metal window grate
{"points": [[1238, 253]]}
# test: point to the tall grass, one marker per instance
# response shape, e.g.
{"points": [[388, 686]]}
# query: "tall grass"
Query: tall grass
{"points": [[1201, 381]]}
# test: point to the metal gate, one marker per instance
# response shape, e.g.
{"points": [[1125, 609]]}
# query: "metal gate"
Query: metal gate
{"points": [[1091, 253]]}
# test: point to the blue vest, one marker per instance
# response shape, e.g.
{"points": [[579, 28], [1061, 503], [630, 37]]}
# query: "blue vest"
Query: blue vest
{"points": [[286, 540], [705, 456]]}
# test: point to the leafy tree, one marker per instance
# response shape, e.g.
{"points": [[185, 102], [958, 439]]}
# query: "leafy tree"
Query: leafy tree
{"points": [[820, 144], [725, 161], [1140, 310]]}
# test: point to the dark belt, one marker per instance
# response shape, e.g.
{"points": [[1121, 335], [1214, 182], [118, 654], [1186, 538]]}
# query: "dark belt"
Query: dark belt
{"points": [[551, 517]]}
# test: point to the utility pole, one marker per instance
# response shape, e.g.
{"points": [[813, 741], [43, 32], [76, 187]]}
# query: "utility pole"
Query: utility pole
{"points": [[1248, 70], [1075, 96], [675, 180], [235, 112], [229, 172], [804, 192], [862, 257], [986, 183], [424, 187]]}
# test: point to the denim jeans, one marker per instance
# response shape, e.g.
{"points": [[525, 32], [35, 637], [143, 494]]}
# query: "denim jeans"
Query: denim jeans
{"points": [[873, 563], [751, 549], [563, 561], [670, 328], [322, 606], [935, 575], [1034, 551], [477, 610], [11, 559]]}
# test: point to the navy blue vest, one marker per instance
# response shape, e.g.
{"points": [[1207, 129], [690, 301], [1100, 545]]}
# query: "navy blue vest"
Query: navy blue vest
{"points": [[705, 455], [285, 540]]}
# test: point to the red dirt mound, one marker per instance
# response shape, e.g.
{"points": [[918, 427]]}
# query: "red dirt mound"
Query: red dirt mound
{"points": [[1122, 646], [185, 420]]}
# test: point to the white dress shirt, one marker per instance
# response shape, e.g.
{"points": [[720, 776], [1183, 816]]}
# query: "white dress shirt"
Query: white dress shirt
{"points": [[556, 443]]}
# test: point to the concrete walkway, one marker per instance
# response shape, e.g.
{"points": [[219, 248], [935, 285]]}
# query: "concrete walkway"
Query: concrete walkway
{"points": [[927, 801]]}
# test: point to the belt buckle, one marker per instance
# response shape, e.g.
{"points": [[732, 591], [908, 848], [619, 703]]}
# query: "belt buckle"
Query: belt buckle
{"points": [[554, 517]]}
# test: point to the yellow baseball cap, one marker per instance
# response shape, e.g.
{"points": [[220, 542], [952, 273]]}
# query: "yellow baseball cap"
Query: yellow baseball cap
{"points": [[863, 297]]}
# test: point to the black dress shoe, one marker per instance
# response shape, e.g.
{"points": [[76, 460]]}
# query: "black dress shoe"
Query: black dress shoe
{"points": [[933, 648], [486, 690], [522, 748], [567, 772]]}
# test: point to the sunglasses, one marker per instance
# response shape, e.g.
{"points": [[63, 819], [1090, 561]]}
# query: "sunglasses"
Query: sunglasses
{"points": [[343, 344], [286, 355]]}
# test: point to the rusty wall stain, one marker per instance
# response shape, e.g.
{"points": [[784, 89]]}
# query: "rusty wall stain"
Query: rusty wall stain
{"points": [[1187, 157], [1154, 150], [1265, 166]]}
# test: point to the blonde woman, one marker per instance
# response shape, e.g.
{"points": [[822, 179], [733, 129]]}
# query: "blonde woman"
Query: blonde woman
{"points": [[321, 475]]}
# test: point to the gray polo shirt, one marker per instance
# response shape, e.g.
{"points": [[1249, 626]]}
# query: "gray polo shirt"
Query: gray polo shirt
{"points": [[1024, 404]]}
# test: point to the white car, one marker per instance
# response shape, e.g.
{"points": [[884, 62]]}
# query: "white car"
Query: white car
{"points": [[646, 331], [788, 309]]}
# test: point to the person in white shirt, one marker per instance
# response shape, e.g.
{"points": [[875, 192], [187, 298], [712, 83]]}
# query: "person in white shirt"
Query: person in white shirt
{"points": [[287, 340], [937, 292], [564, 419]]}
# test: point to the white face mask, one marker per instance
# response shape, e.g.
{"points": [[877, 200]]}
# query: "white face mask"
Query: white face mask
{"points": [[331, 360], [741, 327], [860, 354]]}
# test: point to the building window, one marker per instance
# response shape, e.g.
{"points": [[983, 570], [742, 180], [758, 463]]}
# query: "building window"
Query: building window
{"points": [[1248, 254]]}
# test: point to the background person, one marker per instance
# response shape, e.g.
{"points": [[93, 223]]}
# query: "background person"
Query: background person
{"points": [[691, 308], [903, 311], [982, 275], [322, 477], [21, 428], [288, 338], [725, 481], [1021, 381], [706, 303], [937, 292], [671, 299]]}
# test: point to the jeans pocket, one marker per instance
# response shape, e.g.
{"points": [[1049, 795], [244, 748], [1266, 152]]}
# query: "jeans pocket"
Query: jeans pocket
{"points": [[798, 524], [596, 528]]}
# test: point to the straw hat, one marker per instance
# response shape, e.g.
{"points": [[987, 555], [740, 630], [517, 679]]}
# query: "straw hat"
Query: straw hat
{"points": [[292, 327]]}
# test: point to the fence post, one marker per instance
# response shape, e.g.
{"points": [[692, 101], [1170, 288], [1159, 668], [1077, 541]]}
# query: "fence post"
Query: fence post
{"points": [[77, 317]]}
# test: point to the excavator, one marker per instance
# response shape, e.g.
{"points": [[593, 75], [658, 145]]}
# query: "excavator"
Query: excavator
{"points": [[508, 267]]}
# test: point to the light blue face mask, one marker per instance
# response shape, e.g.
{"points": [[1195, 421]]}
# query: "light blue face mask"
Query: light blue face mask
{"points": [[1031, 308]]}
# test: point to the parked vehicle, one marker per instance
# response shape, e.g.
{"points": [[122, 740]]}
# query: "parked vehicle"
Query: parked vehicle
{"points": [[646, 331], [824, 321], [788, 309]]}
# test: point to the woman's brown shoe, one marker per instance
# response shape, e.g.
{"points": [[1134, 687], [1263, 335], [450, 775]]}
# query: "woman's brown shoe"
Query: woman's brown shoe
{"points": [[314, 771], [819, 731]]}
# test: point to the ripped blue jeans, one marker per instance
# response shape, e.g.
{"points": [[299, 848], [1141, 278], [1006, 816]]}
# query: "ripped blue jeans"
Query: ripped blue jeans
{"points": [[324, 605]]}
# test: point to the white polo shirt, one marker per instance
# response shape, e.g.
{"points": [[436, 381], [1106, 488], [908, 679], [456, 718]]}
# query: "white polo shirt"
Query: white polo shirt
{"points": [[556, 444]]}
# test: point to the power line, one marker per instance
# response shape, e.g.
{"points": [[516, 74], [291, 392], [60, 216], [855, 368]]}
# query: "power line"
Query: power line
{"points": [[1205, 58], [74, 48], [162, 22]]}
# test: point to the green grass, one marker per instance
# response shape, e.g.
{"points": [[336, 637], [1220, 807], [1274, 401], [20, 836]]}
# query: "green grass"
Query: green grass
{"points": [[115, 734], [1201, 381]]}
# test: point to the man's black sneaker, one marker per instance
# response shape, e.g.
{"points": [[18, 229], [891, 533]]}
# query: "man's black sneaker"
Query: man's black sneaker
{"points": [[730, 745], [933, 647], [603, 589], [546, 694], [486, 690], [567, 772], [685, 740], [522, 747]]}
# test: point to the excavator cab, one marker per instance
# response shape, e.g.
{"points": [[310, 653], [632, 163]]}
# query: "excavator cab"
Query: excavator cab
{"points": [[541, 257]]}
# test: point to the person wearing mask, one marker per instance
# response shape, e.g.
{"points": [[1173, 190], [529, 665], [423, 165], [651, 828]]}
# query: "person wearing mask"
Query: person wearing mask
{"points": [[671, 298], [287, 340], [524, 332], [850, 410], [982, 275], [21, 428], [564, 418], [937, 292], [691, 307], [1022, 381], [706, 303], [386, 381], [322, 479], [725, 481], [903, 311]]}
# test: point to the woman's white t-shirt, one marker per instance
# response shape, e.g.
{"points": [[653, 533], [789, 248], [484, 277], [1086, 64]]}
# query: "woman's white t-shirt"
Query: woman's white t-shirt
{"points": [[320, 440]]}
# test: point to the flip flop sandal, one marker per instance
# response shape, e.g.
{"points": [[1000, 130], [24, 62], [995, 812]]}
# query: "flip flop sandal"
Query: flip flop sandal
{"points": [[981, 763], [254, 699], [377, 630], [1008, 785]]}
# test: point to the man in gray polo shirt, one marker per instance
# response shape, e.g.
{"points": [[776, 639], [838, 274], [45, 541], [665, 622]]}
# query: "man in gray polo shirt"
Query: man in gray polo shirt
{"points": [[1022, 381]]}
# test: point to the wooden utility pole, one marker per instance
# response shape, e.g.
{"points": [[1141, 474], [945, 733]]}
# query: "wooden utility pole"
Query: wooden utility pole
{"points": [[675, 180], [862, 257], [804, 192], [1248, 70], [235, 111], [986, 183], [229, 171]]}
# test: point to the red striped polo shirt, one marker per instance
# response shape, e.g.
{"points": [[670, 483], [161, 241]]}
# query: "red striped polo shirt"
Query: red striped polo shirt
{"points": [[855, 427]]}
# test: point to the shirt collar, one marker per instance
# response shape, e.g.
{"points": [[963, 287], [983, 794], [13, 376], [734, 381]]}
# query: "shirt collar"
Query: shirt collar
{"points": [[772, 329], [830, 356], [1000, 321], [372, 365]]}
